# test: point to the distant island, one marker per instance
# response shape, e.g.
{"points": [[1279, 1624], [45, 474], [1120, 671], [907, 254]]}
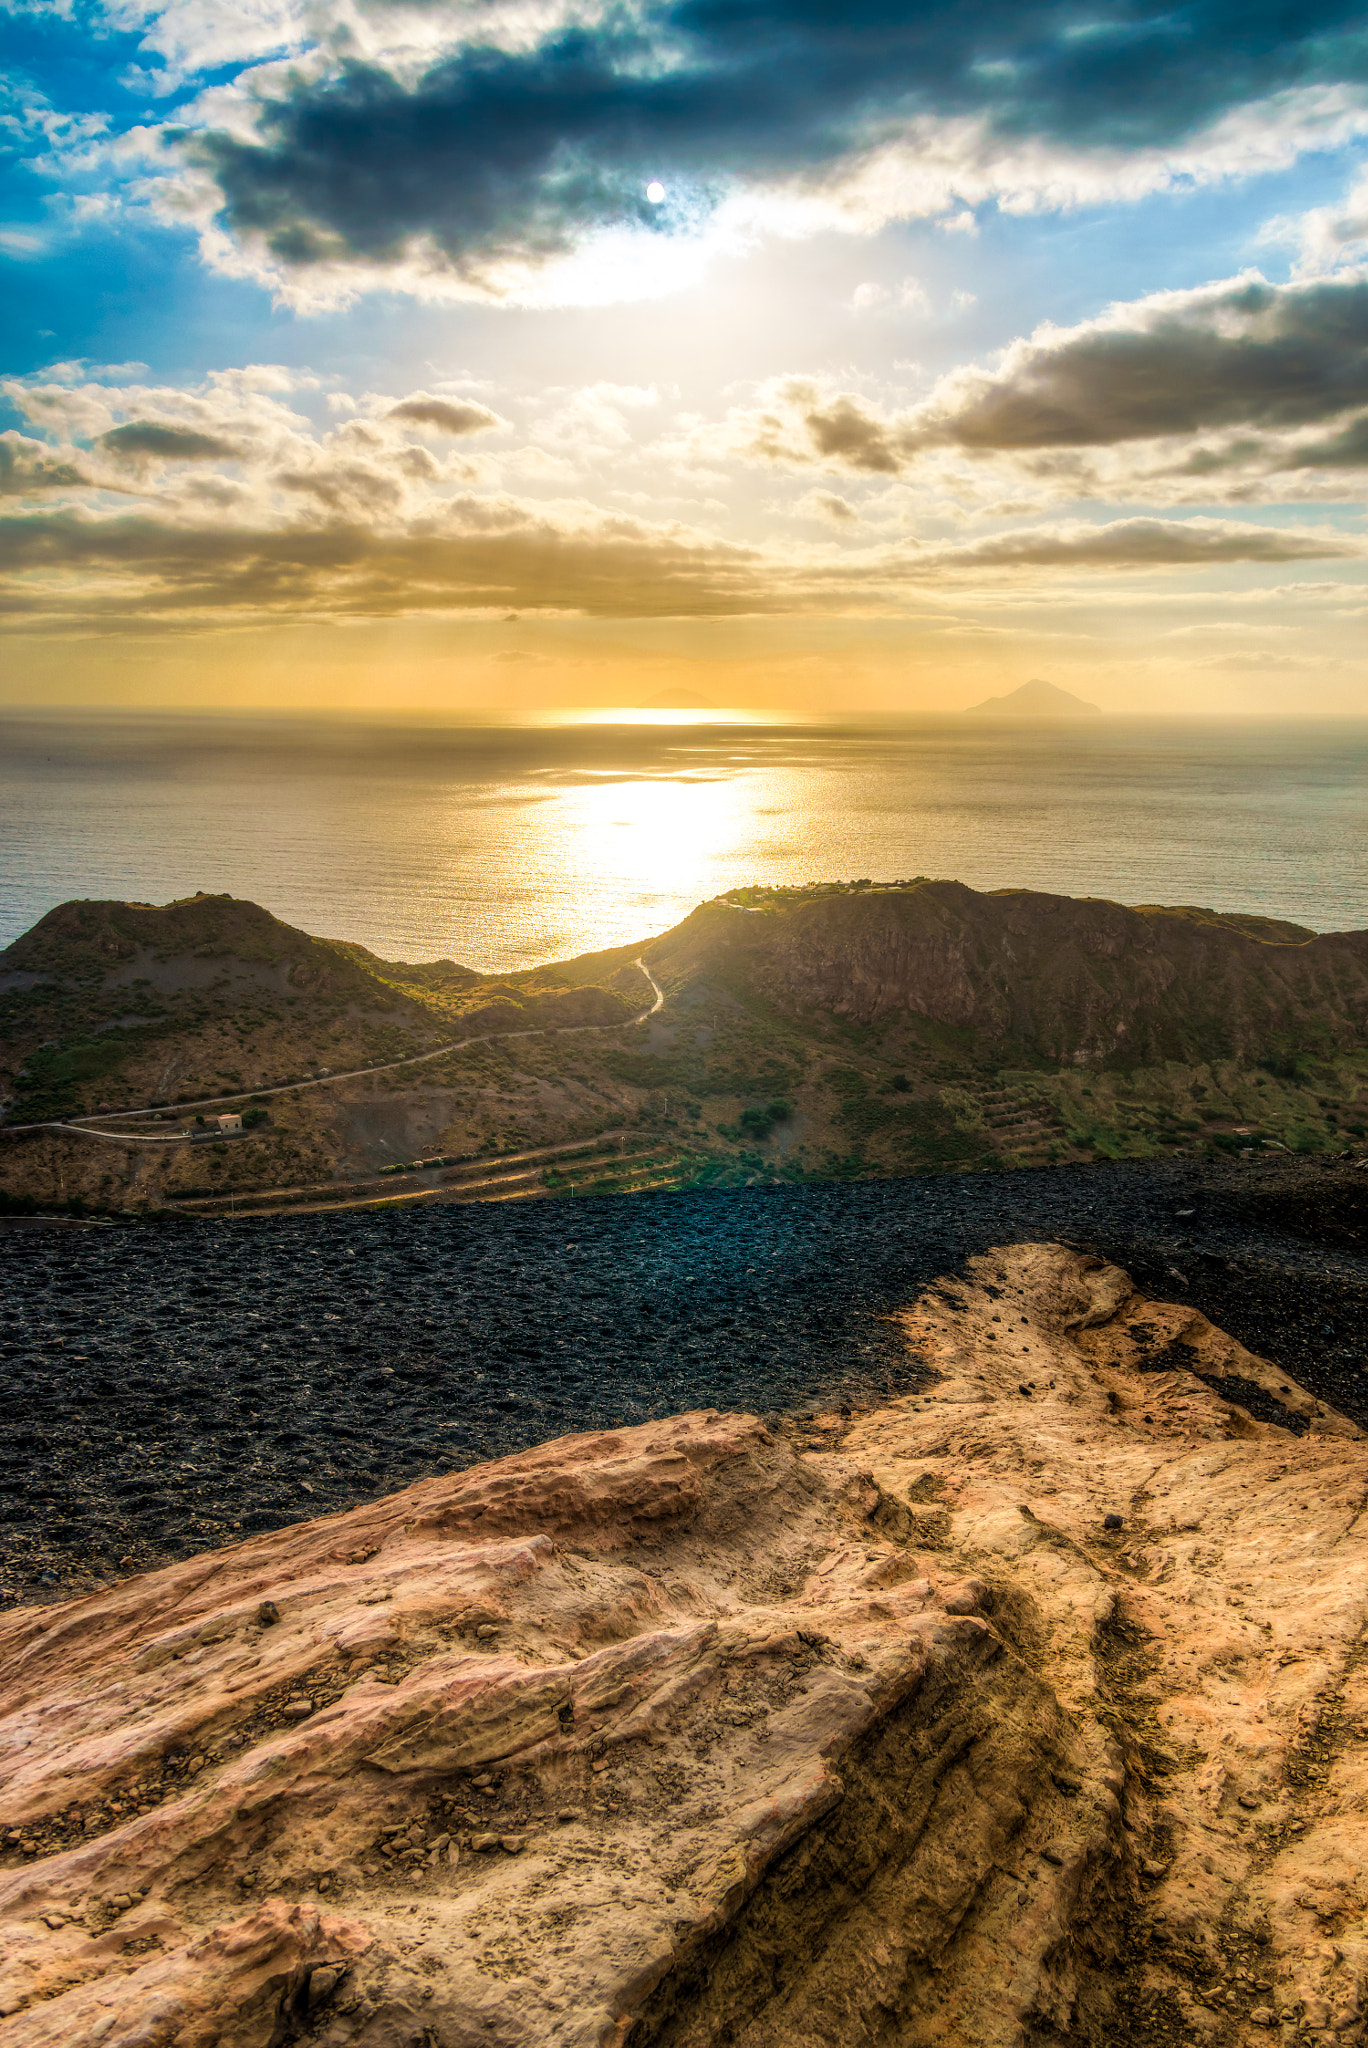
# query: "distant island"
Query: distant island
{"points": [[834, 1031], [1038, 699]]}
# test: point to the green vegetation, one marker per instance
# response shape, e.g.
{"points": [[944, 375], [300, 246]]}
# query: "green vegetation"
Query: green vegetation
{"points": [[756, 1124]]}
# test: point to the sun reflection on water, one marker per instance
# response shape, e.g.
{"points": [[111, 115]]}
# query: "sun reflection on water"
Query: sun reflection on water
{"points": [[653, 837], [504, 847]]}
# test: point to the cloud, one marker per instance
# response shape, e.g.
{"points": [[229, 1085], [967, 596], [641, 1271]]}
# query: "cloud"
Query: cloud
{"points": [[1146, 544], [27, 466], [1243, 353], [1326, 237], [143, 439], [491, 147], [246, 505], [826, 505], [445, 415], [1234, 386], [65, 568]]}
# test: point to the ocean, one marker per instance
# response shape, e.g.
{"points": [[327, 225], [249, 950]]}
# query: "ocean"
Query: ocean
{"points": [[506, 845]]}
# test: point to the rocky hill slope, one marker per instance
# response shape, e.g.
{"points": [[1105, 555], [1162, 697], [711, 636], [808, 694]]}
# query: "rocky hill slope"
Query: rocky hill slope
{"points": [[140, 1002], [1029, 1707], [1030, 976], [833, 1031]]}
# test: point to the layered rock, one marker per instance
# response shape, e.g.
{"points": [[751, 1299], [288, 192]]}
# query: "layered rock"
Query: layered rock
{"points": [[1028, 1706]]}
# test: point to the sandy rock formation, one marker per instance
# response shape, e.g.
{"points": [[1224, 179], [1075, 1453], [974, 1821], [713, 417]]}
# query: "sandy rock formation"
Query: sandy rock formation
{"points": [[1027, 1707]]}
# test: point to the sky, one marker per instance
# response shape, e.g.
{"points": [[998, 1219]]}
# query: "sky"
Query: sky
{"points": [[518, 355]]}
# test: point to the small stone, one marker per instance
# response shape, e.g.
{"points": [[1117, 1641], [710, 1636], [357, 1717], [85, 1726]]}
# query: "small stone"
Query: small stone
{"points": [[485, 1631], [297, 1709], [1262, 2016], [121, 1901], [1250, 1801], [1112, 1522], [55, 1920], [1149, 1868], [322, 1984], [483, 1844], [512, 1845], [1023, 1389], [566, 1814], [1053, 1854], [267, 1613]]}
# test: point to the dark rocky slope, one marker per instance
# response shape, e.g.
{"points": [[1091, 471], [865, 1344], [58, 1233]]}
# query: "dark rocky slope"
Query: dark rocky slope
{"points": [[172, 1387], [1038, 977]]}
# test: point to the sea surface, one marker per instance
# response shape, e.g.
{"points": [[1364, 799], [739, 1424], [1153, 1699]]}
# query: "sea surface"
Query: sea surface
{"points": [[503, 846]]}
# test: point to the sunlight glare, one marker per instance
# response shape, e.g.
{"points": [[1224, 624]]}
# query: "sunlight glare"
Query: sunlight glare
{"points": [[663, 834]]}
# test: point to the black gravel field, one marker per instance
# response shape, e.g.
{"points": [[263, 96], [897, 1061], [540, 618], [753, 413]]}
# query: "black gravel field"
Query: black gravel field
{"points": [[170, 1387]]}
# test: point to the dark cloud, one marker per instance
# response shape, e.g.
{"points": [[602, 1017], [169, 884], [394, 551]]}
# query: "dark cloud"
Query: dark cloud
{"points": [[140, 440], [141, 567], [1254, 364], [1147, 544], [445, 415], [66, 567], [27, 465], [1348, 449], [846, 433], [1247, 355], [492, 151]]}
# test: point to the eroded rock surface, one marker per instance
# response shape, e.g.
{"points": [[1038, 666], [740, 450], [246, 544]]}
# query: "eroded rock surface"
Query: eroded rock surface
{"points": [[1029, 1707]]}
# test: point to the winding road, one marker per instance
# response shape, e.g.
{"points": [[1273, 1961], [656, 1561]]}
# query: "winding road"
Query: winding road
{"points": [[84, 1126]]}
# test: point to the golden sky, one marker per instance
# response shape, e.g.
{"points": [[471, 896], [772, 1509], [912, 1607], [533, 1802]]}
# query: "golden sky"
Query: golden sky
{"points": [[383, 358]]}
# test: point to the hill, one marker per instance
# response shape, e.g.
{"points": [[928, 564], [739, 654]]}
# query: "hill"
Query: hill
{"points": [[838, 1030], [1038, 700], [1018, 974]]}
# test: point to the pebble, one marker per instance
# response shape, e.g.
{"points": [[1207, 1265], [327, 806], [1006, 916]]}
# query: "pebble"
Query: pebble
{"points": [[268, 1613], [1250, 1801], [482, 1844], [485, 1632], [297, 1710], [1112, 1522], [566, 1814]]}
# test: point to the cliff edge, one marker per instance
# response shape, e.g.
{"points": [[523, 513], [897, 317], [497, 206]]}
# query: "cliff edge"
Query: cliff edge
{"points": [[1028, 1706]]}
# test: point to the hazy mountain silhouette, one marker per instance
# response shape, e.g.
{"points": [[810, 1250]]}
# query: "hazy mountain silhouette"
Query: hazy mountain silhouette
{"points": [[1038, 699]]}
